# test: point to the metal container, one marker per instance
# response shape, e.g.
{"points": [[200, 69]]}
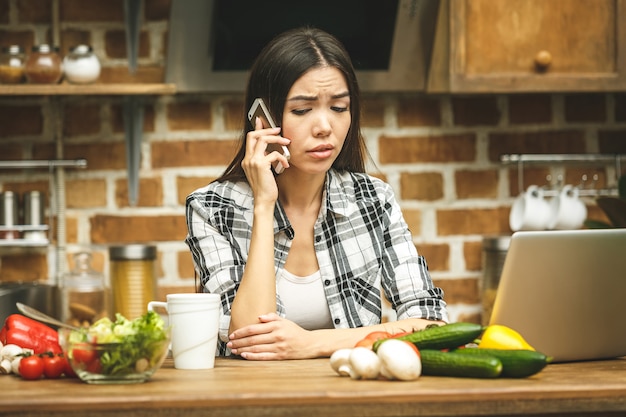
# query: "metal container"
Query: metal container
{"points": [[133, 278], [43, 297], [495, 249], [9, 214]]}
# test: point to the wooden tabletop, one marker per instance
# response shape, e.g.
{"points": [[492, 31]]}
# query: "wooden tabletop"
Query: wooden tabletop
{"points": [[310, 388]]}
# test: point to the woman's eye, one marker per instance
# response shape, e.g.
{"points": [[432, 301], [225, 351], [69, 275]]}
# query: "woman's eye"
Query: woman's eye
{"points": [[300, 112], [339, 109]]}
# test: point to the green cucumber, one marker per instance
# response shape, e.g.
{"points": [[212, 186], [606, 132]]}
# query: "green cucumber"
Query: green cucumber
{"points": [[448, 336], [516, 363], [439, 363]]}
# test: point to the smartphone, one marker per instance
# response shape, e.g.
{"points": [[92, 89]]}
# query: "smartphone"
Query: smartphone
{"points": [[259, 109]]}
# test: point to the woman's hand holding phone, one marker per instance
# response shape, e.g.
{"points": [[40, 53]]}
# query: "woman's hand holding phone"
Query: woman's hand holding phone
{"points": [[257, 162]]}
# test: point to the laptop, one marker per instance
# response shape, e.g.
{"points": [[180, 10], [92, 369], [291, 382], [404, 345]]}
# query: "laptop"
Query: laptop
{"points": [[565, 292]]}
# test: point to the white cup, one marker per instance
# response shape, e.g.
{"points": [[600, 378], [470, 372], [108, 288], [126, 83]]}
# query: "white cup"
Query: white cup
{"points": [[194, 318], [530, 211], [567, 210]]}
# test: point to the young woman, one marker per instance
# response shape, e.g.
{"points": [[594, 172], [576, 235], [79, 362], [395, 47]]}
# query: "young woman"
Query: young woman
{"points": [[300, 258]]}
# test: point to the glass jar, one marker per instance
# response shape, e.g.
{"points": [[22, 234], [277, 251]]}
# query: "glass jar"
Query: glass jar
{"points": [[43, 65], [85, 296], [12, 61], [81, 65], [133, 278]]}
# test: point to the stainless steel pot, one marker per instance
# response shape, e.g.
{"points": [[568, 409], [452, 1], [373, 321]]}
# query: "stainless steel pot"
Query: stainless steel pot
{"points": [[43, 297]]}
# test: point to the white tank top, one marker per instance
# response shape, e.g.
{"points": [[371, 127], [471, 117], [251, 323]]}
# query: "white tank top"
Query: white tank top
{"points": [[304, 300]]}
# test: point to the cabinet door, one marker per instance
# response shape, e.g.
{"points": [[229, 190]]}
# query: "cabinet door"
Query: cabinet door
{"points": [[530, 45]]}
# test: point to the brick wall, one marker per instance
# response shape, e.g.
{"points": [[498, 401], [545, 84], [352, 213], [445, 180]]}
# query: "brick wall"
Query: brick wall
{"points": [[440, 153]]}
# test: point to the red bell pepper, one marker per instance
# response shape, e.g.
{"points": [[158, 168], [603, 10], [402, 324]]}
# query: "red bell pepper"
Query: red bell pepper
{"points": [[31, 334]]}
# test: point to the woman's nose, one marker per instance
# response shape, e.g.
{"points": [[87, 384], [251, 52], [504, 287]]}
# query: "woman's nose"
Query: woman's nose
{"points": [[322, 127]]}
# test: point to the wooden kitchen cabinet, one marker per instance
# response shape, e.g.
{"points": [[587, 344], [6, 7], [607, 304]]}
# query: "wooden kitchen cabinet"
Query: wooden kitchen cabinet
{"points": [[484, 46]]}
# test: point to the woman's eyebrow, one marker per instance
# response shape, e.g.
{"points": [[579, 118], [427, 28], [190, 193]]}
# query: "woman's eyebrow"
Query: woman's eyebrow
{"points": [[313, 98]]}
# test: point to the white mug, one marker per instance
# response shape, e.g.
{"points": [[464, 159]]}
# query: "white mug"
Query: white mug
{"points": [[194, 318], [530, 211], [567, 210]]}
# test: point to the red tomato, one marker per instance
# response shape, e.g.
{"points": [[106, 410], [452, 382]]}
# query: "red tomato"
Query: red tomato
{"points": [[368, 341], [53, 366], [68, 371], [31, 367], [86, 355]]}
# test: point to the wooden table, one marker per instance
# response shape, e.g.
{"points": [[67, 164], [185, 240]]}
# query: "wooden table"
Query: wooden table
{"points": [[237, 388]]}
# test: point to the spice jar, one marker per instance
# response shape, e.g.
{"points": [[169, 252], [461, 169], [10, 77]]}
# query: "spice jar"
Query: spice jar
{"points": [[9, 215], [44, 65], [133, 278], [85, 297], [12, 63], [81, 65]]}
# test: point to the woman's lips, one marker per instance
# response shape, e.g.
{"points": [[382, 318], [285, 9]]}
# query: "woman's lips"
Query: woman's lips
{"points": [[321, 152]]}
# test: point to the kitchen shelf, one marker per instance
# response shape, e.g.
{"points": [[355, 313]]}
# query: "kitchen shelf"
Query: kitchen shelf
{"points": [[23, 242], [65, 89]]}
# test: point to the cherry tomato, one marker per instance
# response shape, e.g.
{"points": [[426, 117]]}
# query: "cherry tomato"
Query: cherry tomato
{"points": [[67, 368], [31, 367], [53, 366]]}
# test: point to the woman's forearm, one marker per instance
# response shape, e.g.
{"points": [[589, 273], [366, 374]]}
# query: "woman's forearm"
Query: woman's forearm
{"points": [[256, 294]]}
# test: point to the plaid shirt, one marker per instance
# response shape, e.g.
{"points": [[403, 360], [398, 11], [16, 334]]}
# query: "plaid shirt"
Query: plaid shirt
{"points": [[361, 241]]}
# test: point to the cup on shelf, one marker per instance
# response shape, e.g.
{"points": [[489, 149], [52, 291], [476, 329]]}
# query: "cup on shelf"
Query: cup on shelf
{"points": [[568, 211], [194, 319], [530, 211]]}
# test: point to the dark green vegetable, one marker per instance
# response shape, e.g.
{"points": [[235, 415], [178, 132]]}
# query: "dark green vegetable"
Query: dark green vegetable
{"points": [[448, 336], [516, 363], [438, 363]]}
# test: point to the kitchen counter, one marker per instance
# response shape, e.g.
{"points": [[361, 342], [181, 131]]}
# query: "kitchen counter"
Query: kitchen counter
{"points": [[310, 388]]}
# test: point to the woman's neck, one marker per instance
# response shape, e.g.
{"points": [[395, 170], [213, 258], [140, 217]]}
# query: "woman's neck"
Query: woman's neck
{"points": [[301, 192]]}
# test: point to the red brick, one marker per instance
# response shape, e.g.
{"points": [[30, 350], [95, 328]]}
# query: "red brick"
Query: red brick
{"points": [[373, 111], [419, 111], [551, 142], [233, 115], [581, 108], [185, 265], [34, 11], [115, 44], [92, 11], [117, 117], [476, 184], [20, 120], [4, 11], [99, 155], [12, 267], [413, 219], [144, 74], [612, 141], [89, 193], [415, 149], [427, 186], [472, 253], [460, 291], [437, 256], [531, 176], [475, 111], [530, 108], [117, 229], [620, 107], [189, 116], [10, 152], [73, 37], [162, 291], [187, 185], [150, 193], [25, 38], [81, 119], [192, 153], [479, 221], [157, 10]]}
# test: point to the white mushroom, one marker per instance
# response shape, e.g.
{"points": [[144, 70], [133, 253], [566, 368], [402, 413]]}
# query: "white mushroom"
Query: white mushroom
{"points": [[5, 366], [10, 351], [340, 361], [365, 363], [399, 360]]}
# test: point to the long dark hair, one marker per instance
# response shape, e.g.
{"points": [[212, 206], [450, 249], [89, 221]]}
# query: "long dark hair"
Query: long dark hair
{"points": [[279, 65]]}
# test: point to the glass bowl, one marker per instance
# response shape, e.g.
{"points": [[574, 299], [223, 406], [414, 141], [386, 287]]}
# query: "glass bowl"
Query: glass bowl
{"points": [[130, 361]]}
